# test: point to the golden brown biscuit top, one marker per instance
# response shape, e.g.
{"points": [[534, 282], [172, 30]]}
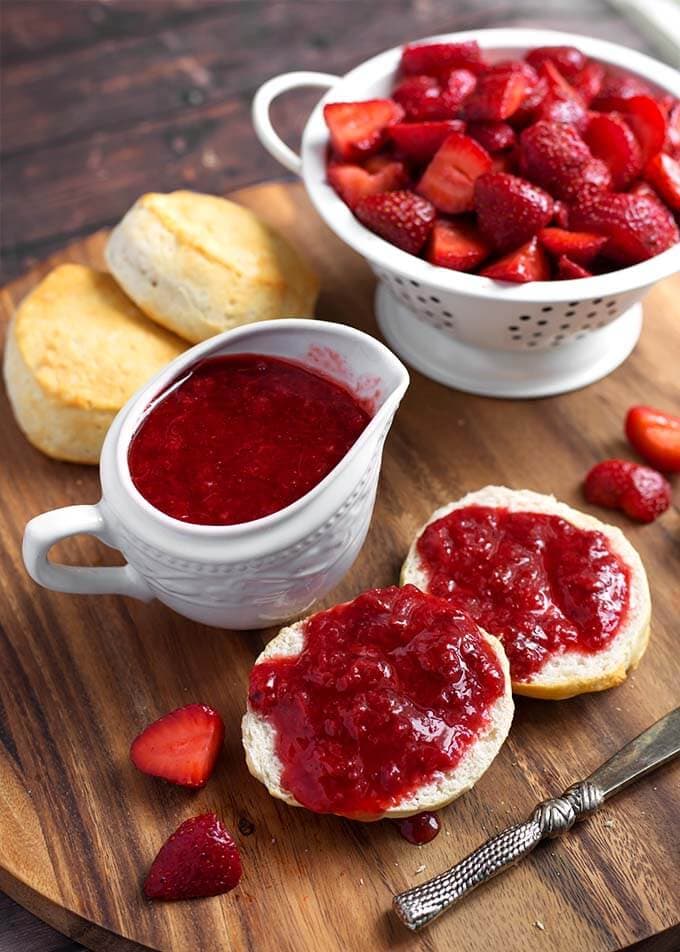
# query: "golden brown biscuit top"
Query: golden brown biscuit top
{"points": [[86, 343]]}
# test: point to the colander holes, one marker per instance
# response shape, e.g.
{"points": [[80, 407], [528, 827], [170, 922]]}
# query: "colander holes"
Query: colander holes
{"points": [[546, 309], [435, 300], [565, 327], [525, 317], [573, 303], [414, 283], [429, 314], [569, 313], [422, 299], [532, 343], [559, 337], [542, 323], [398, 281], [447, 313], [448, 323], [601, 324], [597, 300], [537, 334], [516, 336], [591, 314], [513, 327]]}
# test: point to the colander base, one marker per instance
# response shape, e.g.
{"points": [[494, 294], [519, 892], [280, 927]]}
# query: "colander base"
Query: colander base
{"points": [[500, 373]]}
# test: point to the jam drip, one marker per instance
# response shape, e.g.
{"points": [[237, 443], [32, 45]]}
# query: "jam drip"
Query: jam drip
{"points": [[419, 829], [388, 691], [240, 437], [535, 581]]}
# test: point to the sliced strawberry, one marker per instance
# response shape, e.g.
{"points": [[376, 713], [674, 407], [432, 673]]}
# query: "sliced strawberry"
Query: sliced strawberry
{"points": [[418, 141], [617, 85], [436, 59], [358, 129], [672, 143], [609, 138], [457, 245], [561, 214], [493, 136], [567, 59], [528, 263], [353, 182], [588, 82], [181, 746], [449, 179], [529, 108], [580, 246], [567, 269], [509, 209], [562, 103], [663, 172], [655, 435], [554, 155], [515, 66], [199, 859], [496, 96], [402, 218], [648, 121], [637, 228]]}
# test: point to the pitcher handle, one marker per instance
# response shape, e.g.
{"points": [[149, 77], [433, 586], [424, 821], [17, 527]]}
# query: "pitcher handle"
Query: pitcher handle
{"points": [[44, 530], [262, 101]]}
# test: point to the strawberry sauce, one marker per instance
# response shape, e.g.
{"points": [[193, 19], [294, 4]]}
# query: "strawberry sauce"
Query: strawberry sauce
{"points": [[535, 581], [389, 690], [242, 436]]}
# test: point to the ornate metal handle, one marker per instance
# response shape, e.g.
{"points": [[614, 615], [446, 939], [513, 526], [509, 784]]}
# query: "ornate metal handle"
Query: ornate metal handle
{"points": [[416, 907]]}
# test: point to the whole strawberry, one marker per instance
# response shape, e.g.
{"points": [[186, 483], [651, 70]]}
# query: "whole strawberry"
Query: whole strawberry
{"points": [[199, 859], [401, 217], [641, 492], [510, 210]]}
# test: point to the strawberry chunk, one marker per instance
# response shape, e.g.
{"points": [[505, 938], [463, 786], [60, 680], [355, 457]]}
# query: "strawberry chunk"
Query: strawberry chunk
{"points": [[435, 59], [561, 215], [567, 59], [672, 143], [655, 435], [637, 228], [425, 99], [402, 217], [528, 263], [663, 172], [567, 269], [199, 859], [580, 246], [457, 245], [642, 493], [181, 747], [496, 96], [610, 139], [358, 129], [493, 136], [554, 155], [588, 82], [562, 102], [617, 85], [509, 209], [418, 141], [648, 121], [353, 182], [449, 179]]}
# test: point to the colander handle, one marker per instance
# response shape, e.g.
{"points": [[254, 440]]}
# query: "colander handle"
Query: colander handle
{"points": [[262, 101]]}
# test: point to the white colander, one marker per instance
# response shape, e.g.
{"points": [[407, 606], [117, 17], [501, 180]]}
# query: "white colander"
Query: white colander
{"points": [[464, 330]]}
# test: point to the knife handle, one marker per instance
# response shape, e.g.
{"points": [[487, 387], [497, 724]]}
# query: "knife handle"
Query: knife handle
{"points": [[420, 905]]}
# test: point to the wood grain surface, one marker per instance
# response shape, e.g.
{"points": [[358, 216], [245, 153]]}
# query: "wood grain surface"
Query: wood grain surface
{"points": [[80, 676]]}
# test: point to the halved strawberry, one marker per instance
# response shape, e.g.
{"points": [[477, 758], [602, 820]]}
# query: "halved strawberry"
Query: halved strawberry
{"points": [[457, 245], [402, 218], [609, 138], [438, 58], [493, 136], [580, 246], [528, 263], [567, 269], [496, 96], [588, 82], [636, 227], [648, 121], [617, 85], [181, 746], [509, 209], [358, 129], [663, 172], [567, 59], [655, 434], [353, 182], [199, 859], [554, 155], [418, 141], [449, 179]]}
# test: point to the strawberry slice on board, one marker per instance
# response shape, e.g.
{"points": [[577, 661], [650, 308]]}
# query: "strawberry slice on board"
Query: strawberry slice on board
{"points": [[358, 129], [402, 218], [435, 59], [568, 60], [611, 139], [509, 209], [663, 173], [418, 141], [580, 246], [457, 245], [199, 859], [568, 270], [528, 263], [496, 97], [353, 182], [180, 747], [637, 228], [448, 181], [655, 435]]}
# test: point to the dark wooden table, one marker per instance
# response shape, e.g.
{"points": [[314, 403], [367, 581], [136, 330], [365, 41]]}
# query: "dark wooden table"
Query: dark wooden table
{"points": [[102, 101]]}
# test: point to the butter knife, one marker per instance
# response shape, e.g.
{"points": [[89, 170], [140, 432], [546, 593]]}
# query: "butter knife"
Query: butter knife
{"points": [[656, 746]]}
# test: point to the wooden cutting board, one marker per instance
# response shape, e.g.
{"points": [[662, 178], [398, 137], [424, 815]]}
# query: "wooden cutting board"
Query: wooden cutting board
{"points": [[80, 676]]}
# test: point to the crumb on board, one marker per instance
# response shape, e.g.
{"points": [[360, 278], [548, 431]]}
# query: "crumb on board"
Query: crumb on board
{"points": [[361, 881], [609, 823], [539, 925], [420, 869]]}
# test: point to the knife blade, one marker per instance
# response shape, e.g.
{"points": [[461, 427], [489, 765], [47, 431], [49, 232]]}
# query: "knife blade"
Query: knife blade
{"points": [[657, 745]]}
